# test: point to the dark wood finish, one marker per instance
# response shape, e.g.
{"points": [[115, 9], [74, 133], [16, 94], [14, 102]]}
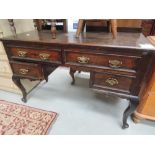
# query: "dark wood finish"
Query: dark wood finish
{"points": [[113, 82], [129, 111], [148, 27], [53, 55], [124, 63], [71, 72], [28, 70], [16, 80], [131, 42], [101, 59]]}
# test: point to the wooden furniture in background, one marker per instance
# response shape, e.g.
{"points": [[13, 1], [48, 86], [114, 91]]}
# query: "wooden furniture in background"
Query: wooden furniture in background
{"points": [[146, 108], [12, 26], [112, 26], [118, 68], [130, 23], [123, 25], [148, 27], [45, 24], [51, 24]]}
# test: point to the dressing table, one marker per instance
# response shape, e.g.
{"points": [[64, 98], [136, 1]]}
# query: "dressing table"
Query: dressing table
{"points": [[118, 67]]}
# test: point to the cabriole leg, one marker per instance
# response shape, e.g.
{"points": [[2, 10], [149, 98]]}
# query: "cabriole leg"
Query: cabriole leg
{"points": [[18, 83], [72, 75], [129, 110]]}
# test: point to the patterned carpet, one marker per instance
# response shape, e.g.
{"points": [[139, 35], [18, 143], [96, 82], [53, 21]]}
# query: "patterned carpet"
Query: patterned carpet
{"points": [[18, 119]]}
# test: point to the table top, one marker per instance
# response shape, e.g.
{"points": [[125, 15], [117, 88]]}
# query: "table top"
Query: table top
{"points": [[124, 39]]}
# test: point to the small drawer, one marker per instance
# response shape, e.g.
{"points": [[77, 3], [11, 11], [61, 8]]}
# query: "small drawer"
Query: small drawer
{"points": [[120, 83], [30, 70], [36, 54], [102, 60]]}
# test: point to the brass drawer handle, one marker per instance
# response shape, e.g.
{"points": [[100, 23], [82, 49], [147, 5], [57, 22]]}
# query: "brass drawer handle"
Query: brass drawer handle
{"points": [[112, 81], [22, 53], [44, 56], [83, 59], [115, 63], [23, 71]]}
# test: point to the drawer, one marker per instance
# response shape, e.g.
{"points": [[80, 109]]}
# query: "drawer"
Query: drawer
{"points": [[29, 70], [114, 82], [102, 60], [43, 55]]}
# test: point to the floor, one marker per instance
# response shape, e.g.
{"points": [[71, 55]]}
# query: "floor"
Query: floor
{"points": [[80, 109]]}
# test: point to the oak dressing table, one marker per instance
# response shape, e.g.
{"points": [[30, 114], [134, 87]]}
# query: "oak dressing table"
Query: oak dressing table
{"points": [[119, 67]]}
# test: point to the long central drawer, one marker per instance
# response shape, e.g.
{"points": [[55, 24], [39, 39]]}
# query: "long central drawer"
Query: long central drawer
{"points": [[112, 61]]}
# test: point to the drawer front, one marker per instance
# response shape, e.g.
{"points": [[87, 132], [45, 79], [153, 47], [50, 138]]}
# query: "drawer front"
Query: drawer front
{"points": [[27, 70], [114, 62], [43, 55], [111, 82]]}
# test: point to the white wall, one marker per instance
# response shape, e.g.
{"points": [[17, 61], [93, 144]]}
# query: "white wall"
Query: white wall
{"points": [[21, 25], [24, 25], [4, 27]]}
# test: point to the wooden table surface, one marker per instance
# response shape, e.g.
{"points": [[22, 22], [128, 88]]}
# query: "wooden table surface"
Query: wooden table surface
{"points": [[127, 40]]}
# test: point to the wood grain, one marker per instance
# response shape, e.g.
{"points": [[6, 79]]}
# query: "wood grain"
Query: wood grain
{"points": [[95, 51]]}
